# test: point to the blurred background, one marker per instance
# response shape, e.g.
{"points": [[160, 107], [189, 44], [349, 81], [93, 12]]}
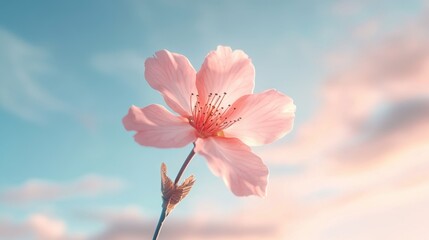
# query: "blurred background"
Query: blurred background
{"points": [[355, 166]]}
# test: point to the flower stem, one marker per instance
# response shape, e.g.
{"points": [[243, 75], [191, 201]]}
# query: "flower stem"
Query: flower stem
{"points": [[184, 165], [176, 181], [160, 222]]}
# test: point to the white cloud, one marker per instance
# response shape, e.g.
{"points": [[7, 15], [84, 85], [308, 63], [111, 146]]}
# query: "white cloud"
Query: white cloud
{"points": [[38, 190], [22, 67]]}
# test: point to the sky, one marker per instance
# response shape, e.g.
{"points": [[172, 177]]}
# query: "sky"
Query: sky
{"points": [[354, 167]]}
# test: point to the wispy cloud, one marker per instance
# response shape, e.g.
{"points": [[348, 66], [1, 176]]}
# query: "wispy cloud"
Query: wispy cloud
{"points": [[347, 7], [127, 66], [386, 75], [39, 190], [112, 215], [22, 69]]}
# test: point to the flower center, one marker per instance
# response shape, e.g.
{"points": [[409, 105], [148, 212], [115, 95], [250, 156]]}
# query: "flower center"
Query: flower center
{"points": [[211, 117]]}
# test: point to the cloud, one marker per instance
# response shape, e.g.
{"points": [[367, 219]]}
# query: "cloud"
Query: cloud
{"points": [[347, 7], [380, 211], [113, 215], [130, 223], [23, 66], [124, 65], [36, 226], [387, 73], [11, 230], [183, 229], [367, 30], [38, 190], [47, 228]]}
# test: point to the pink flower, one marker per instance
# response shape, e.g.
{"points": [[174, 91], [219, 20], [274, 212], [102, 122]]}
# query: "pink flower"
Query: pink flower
{"points": [[217, 111]]}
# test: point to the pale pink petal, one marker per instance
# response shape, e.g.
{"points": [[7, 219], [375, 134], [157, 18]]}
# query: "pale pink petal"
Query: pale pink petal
{"points": [[157, 127], [226, 71], [242, 171], [263, 118], [173, 75]]}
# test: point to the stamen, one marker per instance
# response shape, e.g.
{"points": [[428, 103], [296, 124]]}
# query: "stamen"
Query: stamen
{"points": [[192, 106], [212, 117]]}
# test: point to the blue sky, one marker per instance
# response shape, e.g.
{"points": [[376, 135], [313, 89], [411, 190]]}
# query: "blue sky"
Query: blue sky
{"points": [[70, 70]]}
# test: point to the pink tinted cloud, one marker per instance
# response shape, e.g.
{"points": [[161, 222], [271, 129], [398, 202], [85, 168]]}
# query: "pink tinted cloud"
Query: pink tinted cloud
{"points": [[385, 74], [38, 190], [47, 228], [184, 229], [365, 153], [128, 223], [37, 226]]}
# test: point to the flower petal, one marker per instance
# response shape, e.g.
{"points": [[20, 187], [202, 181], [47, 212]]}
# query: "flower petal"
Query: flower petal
{"points": [[226, 71], [242, 171], [173, 75], [264, 117], [157, 127]]}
